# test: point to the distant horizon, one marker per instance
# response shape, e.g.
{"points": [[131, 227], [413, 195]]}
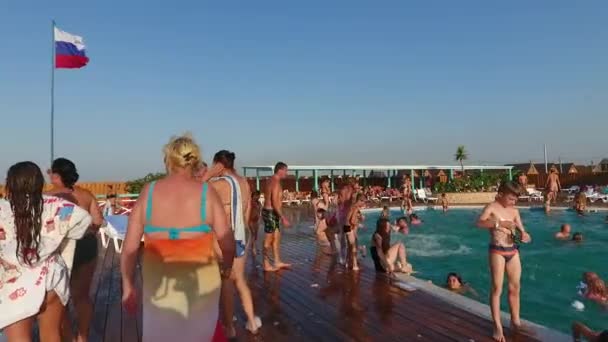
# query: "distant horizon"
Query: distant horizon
{"points": [[308, 82]]}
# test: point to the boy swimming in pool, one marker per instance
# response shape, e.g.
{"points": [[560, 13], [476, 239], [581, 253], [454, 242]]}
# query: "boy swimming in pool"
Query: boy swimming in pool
{"points": [[502, 220]]}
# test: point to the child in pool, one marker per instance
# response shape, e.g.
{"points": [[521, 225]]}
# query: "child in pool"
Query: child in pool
{"points": [[577, 237], [564, 232], [415, 220], [444, 202], [588, 278], [454, 283], [401, 226], [502, 220], [597, 292]]}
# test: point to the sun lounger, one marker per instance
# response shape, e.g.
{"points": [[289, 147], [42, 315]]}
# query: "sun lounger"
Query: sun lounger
{"points": [[429, 195], [114, 230], [535, 195], [421, 195], [597, 197], [572, 190]]}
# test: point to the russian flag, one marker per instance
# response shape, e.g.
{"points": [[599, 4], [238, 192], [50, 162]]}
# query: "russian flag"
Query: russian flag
{"points": [[69, 50]]}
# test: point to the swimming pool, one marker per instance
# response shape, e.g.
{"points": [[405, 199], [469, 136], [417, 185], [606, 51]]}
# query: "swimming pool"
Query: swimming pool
{"points": [[552, 269]]}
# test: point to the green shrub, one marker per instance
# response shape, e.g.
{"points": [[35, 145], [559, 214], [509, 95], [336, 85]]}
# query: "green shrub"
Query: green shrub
{"points": [[475, 181], [135, 186]]}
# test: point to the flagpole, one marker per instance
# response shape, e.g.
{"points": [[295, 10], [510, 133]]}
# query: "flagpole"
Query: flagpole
{"points": [[52, 92]]}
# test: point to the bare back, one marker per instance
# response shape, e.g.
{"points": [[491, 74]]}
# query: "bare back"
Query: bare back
{"points": [[553, 182], [272, 194], [354, 217], [175, 203], [222, 187]]}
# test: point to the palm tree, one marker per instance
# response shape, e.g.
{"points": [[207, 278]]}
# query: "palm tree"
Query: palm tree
{"points": [[461, 155]]}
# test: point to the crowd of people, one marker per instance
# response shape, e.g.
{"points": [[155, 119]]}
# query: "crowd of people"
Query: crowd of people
{"points": [[195, 223], [198, 225]]}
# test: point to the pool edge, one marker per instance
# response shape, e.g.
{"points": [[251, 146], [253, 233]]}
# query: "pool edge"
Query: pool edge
{"points": [[481, 310], [476, 308], [480, 206]]}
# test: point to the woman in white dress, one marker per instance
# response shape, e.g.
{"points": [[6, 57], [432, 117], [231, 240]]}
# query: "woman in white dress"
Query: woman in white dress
{"points": [[34, 280]]}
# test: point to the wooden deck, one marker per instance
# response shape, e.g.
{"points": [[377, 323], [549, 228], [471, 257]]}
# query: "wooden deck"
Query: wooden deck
{"points": [[315, 301]]}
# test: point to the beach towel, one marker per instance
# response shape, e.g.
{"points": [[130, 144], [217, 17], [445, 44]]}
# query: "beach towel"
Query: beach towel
{"points": [[237, 218]]}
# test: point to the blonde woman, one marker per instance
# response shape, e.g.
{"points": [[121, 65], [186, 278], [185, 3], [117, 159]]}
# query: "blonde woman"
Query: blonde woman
{"points": [[180, 218]]}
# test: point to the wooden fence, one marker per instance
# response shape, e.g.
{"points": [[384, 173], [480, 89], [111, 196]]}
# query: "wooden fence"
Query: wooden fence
{"points": [[97, 188]]}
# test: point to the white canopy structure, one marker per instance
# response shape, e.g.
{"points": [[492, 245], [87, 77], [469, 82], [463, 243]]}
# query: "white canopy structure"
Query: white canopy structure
{"points": [[391, 170]]}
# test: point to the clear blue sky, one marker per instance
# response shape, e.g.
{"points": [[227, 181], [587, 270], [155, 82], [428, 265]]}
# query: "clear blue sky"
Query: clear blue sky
{"points": [[332, 81]]}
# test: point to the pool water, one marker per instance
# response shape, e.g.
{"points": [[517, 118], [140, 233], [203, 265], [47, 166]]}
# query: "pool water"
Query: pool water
{"points": [[450, 242]]}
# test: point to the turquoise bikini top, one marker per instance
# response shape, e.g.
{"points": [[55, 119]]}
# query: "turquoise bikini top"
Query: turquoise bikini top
{"points": [[174, 232]]}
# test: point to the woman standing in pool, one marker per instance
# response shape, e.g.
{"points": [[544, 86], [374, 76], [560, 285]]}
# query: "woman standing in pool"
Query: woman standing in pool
{"points": [[180, 218], [503, 220]]}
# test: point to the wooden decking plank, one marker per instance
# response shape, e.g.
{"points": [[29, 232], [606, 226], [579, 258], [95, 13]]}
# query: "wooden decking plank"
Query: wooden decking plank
{"points": [[344, 306], [286, 308], [450, 326], [131, 325], [349, 316], [98, 274], [268, 305], [102, 293], [372, 321], [113, 332], [350, 310], [368, 301], [353, 315]]}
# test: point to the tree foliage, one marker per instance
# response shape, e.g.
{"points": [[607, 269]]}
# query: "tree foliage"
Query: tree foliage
{"points": [[135, 186], [475, 181], [461, 155]]}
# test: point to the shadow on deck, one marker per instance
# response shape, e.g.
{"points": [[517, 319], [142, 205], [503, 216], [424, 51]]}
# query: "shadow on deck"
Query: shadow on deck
{"points": [[316, 300]]}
